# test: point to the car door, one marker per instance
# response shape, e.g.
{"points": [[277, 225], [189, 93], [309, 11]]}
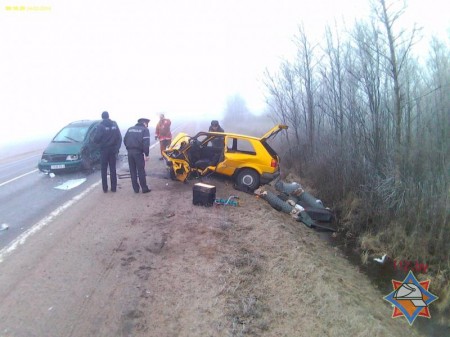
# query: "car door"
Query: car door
{"points": [[94, 148], [90, 153], [239, 152]]}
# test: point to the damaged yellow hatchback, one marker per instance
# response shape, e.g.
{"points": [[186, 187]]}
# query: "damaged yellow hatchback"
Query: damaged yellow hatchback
{"points": [[250, 161]]}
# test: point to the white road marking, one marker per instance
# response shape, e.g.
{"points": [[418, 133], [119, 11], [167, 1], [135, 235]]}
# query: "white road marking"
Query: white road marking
{"points": [[22, 238], [68, 185], [3, 226], [23, 175], [15, 162]]}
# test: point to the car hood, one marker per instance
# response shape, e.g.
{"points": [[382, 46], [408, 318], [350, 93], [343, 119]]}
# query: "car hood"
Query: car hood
{"points": [[63, 148], [274, 131]]}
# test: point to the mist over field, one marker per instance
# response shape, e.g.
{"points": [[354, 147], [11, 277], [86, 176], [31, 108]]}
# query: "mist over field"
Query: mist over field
{"points": [[251, 125]]}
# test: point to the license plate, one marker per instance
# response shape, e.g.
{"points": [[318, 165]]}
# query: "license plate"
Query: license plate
{"points": [[55, 167]]}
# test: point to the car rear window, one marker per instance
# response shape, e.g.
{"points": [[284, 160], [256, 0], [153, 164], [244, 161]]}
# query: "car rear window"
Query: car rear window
{"points": [[269, 149]]}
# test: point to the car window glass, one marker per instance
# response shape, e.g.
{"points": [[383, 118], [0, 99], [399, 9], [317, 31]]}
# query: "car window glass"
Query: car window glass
{"points": [[201, 138], [230, 147], [240, 145], [71, 134]]}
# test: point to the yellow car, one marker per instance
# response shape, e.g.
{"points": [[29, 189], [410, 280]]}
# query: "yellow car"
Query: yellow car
{"points": [[250, 161]]}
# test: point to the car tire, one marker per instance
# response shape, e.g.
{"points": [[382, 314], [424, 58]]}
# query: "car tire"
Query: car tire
{"points": [[248, 179], [86, 165]]}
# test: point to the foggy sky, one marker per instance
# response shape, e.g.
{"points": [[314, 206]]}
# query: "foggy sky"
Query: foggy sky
{"points": [[69, 60]]}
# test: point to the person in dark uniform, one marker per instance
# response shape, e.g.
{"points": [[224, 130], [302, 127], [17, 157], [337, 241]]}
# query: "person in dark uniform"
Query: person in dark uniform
{"points": [[109, 138], [215, 127], [137, 142]]}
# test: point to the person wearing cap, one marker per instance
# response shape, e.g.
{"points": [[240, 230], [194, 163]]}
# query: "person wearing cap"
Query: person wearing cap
{"points": [[215, 127], [163, 133], [137, 142], [109, 138]]}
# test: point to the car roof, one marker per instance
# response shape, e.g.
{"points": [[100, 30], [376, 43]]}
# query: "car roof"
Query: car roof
{"points": [[277, 128], [231, 134], [84, 122]]}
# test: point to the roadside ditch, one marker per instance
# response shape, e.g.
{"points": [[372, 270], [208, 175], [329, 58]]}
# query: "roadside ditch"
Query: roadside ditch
{"points": [[381, 276]]}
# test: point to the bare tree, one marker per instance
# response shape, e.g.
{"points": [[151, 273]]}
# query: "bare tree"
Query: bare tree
{"points": [[305, 68], [437, 97], [368, 72], [284, 101], [333, 77], [399, 45]]}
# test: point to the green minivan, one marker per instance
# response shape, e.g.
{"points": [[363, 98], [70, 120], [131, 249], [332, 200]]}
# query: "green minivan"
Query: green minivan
{"points": [[72, 149]]}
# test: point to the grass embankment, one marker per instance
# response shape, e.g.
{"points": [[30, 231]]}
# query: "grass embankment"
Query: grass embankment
{"points": [[405, 221]]}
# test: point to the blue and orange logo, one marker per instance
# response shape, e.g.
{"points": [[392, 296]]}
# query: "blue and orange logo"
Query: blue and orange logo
{"points": [[411, 298]]}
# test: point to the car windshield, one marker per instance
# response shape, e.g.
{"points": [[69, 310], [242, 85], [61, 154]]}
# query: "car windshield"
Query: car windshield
{"points": [[71, 134]]}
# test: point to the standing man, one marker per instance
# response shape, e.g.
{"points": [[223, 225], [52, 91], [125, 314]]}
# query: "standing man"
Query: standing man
{"points": [[215, 127], [163, 133], [109, 138], [137, 142]]}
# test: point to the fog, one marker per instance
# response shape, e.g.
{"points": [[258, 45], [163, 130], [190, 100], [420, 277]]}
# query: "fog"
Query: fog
{"points": [[38, 142], [63, 61]]}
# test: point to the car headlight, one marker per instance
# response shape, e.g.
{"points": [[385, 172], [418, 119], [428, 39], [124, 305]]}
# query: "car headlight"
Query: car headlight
{"points": [[72, 157]]}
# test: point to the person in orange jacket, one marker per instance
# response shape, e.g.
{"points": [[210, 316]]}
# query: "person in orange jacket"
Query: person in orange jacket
{"points": [[163, 133]]}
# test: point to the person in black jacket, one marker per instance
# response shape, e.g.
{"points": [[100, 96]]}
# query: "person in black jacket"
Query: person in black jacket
{"points": [[137, 142], [109, 138], [215, 127]]}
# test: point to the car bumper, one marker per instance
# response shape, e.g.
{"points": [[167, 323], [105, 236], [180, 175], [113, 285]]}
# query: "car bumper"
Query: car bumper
{"points": [[268, 177], [47, 167]]}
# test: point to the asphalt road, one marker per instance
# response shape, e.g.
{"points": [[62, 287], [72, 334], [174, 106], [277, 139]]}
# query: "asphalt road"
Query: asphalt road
{"points": [[28, 196], [30, 199]]}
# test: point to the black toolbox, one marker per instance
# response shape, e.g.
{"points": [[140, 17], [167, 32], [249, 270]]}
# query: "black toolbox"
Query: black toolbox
{"points": [[203, 194]]}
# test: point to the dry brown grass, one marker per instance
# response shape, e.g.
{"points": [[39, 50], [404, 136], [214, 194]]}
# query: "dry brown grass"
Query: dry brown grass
{"points": [[403, 233], [279, 279]]}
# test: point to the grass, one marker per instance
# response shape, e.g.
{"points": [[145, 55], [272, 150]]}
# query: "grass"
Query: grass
{"points": [[244, 302]]}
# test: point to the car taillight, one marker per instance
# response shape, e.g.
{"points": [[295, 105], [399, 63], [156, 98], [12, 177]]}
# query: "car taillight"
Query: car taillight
{"points": [[274, 163]]}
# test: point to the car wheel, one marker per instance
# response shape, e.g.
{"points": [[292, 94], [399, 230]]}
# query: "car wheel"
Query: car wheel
{"points": [[248, 179], [86, 165]]}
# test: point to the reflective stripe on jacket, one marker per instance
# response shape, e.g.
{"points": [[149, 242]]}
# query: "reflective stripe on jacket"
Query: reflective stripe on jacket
{"points": [[137, 138], [108, 135]]}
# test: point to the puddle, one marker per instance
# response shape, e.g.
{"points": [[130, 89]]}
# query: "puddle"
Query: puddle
{"points": [[381, 276]]}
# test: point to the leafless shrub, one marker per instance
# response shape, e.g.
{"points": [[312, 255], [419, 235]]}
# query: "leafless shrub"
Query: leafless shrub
{"points": [[369, 129]]}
